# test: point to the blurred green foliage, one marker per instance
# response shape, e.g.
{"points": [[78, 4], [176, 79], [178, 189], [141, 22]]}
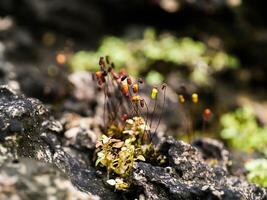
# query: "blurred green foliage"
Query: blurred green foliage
{"points": [[154, 77], [242, 131], [257, 171], [138, 55]]}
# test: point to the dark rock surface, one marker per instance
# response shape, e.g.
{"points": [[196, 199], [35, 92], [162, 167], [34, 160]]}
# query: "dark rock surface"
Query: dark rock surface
{"points": [[189, 177], [29, 132], [76, 17], [48, 84], [24, 128], [26, 178]]}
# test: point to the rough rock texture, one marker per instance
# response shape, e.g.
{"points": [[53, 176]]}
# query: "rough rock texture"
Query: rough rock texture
{"points": [[26, 178], [28, 131], [25, 128], [189, 177]]}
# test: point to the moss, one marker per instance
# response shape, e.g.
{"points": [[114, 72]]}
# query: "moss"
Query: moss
{"points": [[241, 130], [127, 137], [257, 171]]}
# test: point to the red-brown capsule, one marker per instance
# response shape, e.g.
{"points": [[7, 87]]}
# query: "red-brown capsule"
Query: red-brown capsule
{"points": [[101, 62], [163, 86], [129, 81], [142, 103], [123, 77], [103, 79], [135, 88], [207, 114], [104, 73], [100, 82], [122, 73], [125, 89], [109, 69], [98, 74], [124, 117]]}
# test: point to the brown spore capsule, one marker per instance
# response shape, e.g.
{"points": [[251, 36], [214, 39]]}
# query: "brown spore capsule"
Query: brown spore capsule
{"points": [[125, 89], [135, 88], [163, 86], [103, 79], [100, 82], [123, 77], [142, 103], [98, 74], [124, 117], [102, 62], [207, 114], [129, 81], [109, 69]]}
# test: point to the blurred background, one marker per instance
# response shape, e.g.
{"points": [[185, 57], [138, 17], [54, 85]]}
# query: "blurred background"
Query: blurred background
{"points": [[215, 48]]}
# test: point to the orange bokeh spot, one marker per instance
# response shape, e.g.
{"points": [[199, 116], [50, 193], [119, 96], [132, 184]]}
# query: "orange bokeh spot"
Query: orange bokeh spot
{"points": [[61, 58]]}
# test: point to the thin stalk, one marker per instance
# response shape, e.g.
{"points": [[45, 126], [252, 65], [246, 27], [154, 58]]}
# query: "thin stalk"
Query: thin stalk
{"points": [[163, 106], [153, 112]]}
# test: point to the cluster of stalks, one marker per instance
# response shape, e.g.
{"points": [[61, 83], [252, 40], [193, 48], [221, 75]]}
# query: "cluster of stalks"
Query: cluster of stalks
{"points": [[123, 99], [186, 99], [128, 120], [127, 137]]}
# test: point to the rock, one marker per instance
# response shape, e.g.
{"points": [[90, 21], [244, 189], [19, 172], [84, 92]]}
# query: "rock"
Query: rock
{"points": [[17, 113], [25, 180], [36, 82], [7, 71], [189, 177], [25, 130], [213, 152], [81, 132], [77, 17], [29, 131], [33, 81], [84, 95], [84, 86]]}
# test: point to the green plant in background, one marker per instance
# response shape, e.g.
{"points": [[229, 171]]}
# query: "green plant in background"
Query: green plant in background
{"points": [[127, 135], [241, 130], [138, 54], [257, 171]]}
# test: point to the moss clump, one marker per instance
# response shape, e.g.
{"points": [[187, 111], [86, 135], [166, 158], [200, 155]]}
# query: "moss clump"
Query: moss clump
{"points": [[118, 150], [127, 137], [241, 130], [257, 171]]}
